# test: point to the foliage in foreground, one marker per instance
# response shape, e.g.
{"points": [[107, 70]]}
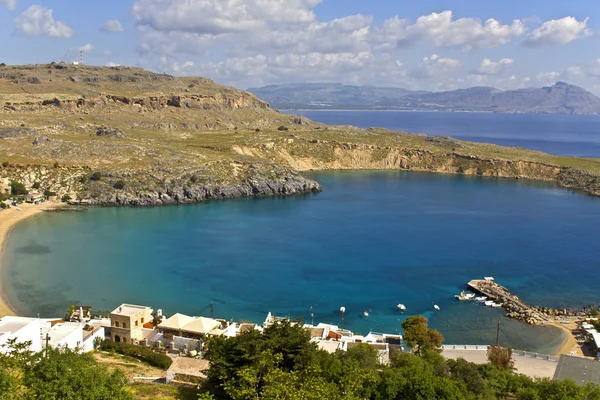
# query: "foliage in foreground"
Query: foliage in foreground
{"points": [[282, 363], [57, 374]]}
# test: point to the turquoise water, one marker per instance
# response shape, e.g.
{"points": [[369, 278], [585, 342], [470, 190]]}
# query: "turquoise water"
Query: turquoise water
{"points": [[567, 135], [369, 241]]}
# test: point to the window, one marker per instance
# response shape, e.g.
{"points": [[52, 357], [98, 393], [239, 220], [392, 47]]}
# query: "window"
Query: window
{"points": [[117, 324], [142, 320], [124, 325], [136, 323]]}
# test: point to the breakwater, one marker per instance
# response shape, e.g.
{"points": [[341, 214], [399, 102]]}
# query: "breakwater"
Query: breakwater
{"points": [[517, 309]]}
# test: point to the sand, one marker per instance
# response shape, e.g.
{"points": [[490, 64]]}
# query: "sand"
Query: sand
{"points": [[8, 219], [569, 343]]}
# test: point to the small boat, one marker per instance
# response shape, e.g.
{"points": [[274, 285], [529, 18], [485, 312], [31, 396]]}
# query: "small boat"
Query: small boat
{"points": [[489, 303], [366, 314], [464, 296], [437, 308], [481, 298], [488, 278], [496, 305], [401, 307]]}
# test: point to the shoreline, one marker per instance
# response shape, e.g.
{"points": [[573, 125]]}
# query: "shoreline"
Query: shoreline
{"points": [[9, 218]]}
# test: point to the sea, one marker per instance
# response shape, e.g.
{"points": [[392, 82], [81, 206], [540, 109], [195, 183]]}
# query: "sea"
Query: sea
{"points": [[368, 241], [567, 135]]}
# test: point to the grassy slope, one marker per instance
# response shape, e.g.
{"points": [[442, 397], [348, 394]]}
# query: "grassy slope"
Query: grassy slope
{"points": [[170, 144]]}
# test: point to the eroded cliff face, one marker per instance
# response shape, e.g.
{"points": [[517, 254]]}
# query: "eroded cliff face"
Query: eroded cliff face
{"points": [[363, 157]]}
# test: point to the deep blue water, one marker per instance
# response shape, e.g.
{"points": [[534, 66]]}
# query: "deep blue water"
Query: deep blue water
{"points": [[369, 241], [568, 135]]}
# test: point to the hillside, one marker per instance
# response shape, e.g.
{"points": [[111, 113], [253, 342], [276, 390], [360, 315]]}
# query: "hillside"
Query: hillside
{"points": [[560, 98], [125, 136]]}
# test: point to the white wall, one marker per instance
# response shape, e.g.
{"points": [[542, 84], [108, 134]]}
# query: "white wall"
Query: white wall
{"points": [[88, 345]]}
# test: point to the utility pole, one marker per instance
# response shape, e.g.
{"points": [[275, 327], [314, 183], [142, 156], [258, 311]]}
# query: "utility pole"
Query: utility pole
{"points": [[498, 334], [212, 310], [47, 340]]}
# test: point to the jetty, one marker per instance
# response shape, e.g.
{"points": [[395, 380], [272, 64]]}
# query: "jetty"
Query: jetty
{"points": [[515, 307], [65, 209]]}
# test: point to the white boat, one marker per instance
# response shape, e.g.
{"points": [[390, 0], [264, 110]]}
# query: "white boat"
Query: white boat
{"points": [[464, 296], [481, 298], [496, 305], [401, 307], [488, 278], [366, 314], [489, 303], [436, 307]]}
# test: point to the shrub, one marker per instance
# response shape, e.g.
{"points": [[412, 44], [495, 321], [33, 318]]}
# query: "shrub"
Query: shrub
{"points": [[49, 193], [17, 189], [96, 176], [193, 179], [66, 198], [3, 205], [283, 128], [56, 165], [36, 185], [5, 164], [257, 130], [2, 65], [141, 353], [120, 184], [83, 179]]}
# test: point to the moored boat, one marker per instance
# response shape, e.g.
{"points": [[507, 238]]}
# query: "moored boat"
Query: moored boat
{"points": [[437, 308], [464, 296], [401, 307], [481, 298], [489, 303]]}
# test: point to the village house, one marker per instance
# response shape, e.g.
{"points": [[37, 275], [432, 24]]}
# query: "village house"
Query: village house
{"points": [[34, 197], [127, 322]]}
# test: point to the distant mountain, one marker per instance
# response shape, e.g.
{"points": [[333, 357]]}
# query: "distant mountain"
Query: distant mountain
{"points": [[560, 98]]}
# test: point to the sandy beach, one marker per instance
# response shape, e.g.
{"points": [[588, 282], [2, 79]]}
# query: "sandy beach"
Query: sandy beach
{"points": [[569, 344], [8, 219]]}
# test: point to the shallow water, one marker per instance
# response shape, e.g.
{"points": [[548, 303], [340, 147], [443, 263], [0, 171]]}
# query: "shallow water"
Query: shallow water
{"points": [[370, 240]]}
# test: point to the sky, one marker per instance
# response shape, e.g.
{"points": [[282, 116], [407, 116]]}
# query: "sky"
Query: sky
{"points": [[418, 45]]}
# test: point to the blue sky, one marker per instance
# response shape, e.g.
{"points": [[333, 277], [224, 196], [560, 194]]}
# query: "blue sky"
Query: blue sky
{"points": [[426, 44]]}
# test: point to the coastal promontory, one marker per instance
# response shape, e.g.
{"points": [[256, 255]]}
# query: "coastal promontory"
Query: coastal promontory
{"points": [[126, 136]]}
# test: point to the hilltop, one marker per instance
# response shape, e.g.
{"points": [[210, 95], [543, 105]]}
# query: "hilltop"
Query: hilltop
{"points": [[126, 136], [560, 98]]}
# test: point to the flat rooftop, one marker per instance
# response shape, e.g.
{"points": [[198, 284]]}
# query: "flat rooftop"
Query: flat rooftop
{"points": [[14, 324], [581, 370], [59, 331], [128, 310]]}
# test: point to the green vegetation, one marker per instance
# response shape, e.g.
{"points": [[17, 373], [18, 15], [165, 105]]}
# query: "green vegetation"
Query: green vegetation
{"points": [[418, 334], [96, 176], [141, 353], [49, 193], [282, 363], [17, 189], [119, 185], [36, 185], [56, 374]]}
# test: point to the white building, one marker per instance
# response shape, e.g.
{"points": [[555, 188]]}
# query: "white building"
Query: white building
{"points": [[23, 330]]}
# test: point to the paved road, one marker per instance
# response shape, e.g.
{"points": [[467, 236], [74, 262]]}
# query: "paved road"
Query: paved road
{"points": [[525, 365]]}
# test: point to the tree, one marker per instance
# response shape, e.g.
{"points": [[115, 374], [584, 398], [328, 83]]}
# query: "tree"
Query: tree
{"points": [[66, 374], [418, 334], [17, 188], [49, 193], [36, 185], [66, 198], [500, 357], [96, 176], [282, 128]]}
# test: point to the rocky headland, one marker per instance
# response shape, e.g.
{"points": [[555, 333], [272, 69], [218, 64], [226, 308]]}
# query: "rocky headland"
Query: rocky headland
{"points": [[125, 136]]}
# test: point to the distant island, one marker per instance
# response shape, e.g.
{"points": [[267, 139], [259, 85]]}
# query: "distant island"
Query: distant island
{"points": [[561, 98]]}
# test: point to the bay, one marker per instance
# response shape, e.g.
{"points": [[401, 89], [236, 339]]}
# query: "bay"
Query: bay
{"points": [[566, 135], [370, 240]]}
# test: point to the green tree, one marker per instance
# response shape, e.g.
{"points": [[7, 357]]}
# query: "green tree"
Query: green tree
{"points": [[418, 334], [500, 357], [66, 374], [17, 188], [120, 184], [96, 176], [36, 185]]}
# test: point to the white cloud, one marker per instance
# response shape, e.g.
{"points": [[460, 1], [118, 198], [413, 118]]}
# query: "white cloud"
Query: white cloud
{"points": [[112, 64], [10, 4], [593, 68], [435, 66], [573, 73], [112, 26], [220, 16], [86, 48], [557, 32], [39, 21], [547, 78], [489, 67], [441, 30]]}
